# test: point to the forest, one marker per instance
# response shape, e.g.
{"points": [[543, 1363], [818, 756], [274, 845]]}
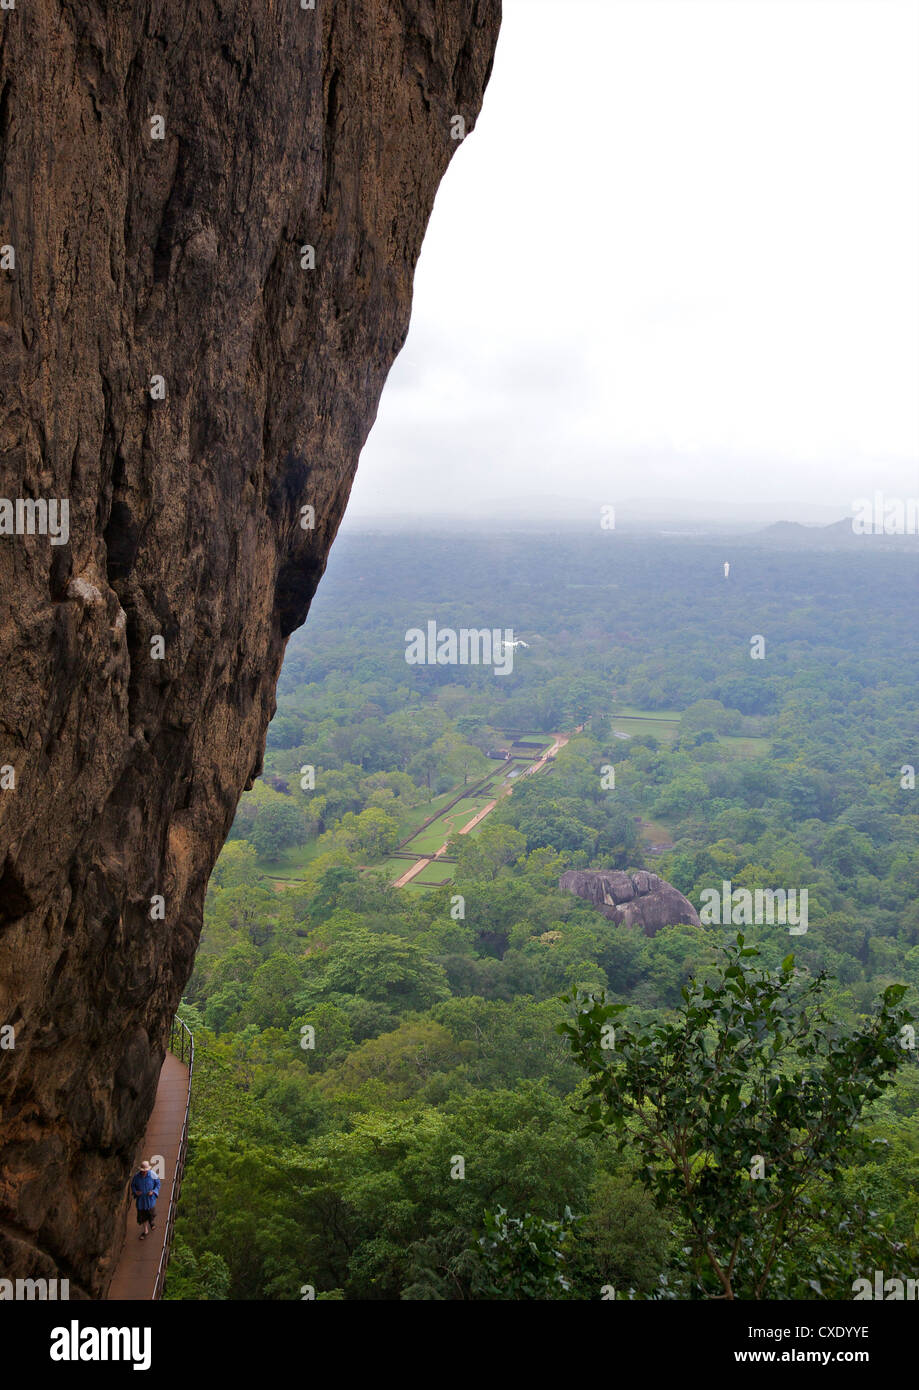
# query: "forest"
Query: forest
{"points": [[407, 1093]]}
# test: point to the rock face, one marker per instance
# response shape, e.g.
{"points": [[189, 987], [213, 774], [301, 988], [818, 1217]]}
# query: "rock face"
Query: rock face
{"points": [[640, 899], [173, 369]]}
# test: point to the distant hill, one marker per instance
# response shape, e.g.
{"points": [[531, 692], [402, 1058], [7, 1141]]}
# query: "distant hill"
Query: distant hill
{"points": [[839, 535]]}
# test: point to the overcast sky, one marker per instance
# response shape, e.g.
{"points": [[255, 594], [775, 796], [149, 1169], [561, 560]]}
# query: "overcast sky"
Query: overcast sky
{"points": [[677, 257]]}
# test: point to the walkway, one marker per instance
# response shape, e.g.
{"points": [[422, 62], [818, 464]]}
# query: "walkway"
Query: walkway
{"points": [[135, 1273]]}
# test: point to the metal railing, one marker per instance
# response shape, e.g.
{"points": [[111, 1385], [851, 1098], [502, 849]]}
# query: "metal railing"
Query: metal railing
{"points": [[181, 1045]]}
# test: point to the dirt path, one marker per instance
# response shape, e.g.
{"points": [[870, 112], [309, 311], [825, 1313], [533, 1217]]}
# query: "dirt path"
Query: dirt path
{"points": [[479, 815], [415, 869]]}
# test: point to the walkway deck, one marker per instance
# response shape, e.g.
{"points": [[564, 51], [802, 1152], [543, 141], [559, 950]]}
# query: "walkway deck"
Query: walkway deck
{"points": [[135, 1273]]}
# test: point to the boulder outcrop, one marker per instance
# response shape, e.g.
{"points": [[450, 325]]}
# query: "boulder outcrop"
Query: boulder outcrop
{"points": [[638, 899], [210, 217]]}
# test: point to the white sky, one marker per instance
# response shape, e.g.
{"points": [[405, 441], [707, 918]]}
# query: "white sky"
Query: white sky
{"points": [[679, 256]]}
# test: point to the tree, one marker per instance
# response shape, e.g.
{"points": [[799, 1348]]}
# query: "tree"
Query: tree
{"points": [[524, 1257], [277, 825], [329, 884], [710, 714], [236, 865], [485, 854], [423, 767], [274, 985], [284, 731], [623, 1241], [376, 832], [236, 1215], [207, 1279], [226, 1005], [460, 759], [743, 1111], [374, 966], [384, 1206], [402, 1061], [248, 908]]}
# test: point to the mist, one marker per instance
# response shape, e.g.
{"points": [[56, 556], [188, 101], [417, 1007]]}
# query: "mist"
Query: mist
{"points": [[672, 271]]}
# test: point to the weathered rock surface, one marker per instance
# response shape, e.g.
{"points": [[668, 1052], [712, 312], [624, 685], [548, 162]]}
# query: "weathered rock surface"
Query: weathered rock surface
{"points": [[641, 898], [180, 258]]}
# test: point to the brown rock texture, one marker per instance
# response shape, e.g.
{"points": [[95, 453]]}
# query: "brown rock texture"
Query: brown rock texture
{"points": [[136, 257], [638, 899]]}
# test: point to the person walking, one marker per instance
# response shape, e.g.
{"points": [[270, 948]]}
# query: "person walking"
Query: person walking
{"points": [[145, 1186]]}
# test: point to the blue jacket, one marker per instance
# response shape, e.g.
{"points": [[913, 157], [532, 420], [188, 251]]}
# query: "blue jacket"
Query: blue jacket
{"points": [[146, 1189]]}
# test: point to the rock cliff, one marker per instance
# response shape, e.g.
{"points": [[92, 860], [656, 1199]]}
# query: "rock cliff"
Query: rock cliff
{"points": [[641, 898], [210, 217]]}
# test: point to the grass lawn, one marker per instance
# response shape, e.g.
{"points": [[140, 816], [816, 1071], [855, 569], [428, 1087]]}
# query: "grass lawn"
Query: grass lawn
{"points": [[435, 873], [664, 729], [433, 836], [428, 841], [413, 817], [393, 868]]}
